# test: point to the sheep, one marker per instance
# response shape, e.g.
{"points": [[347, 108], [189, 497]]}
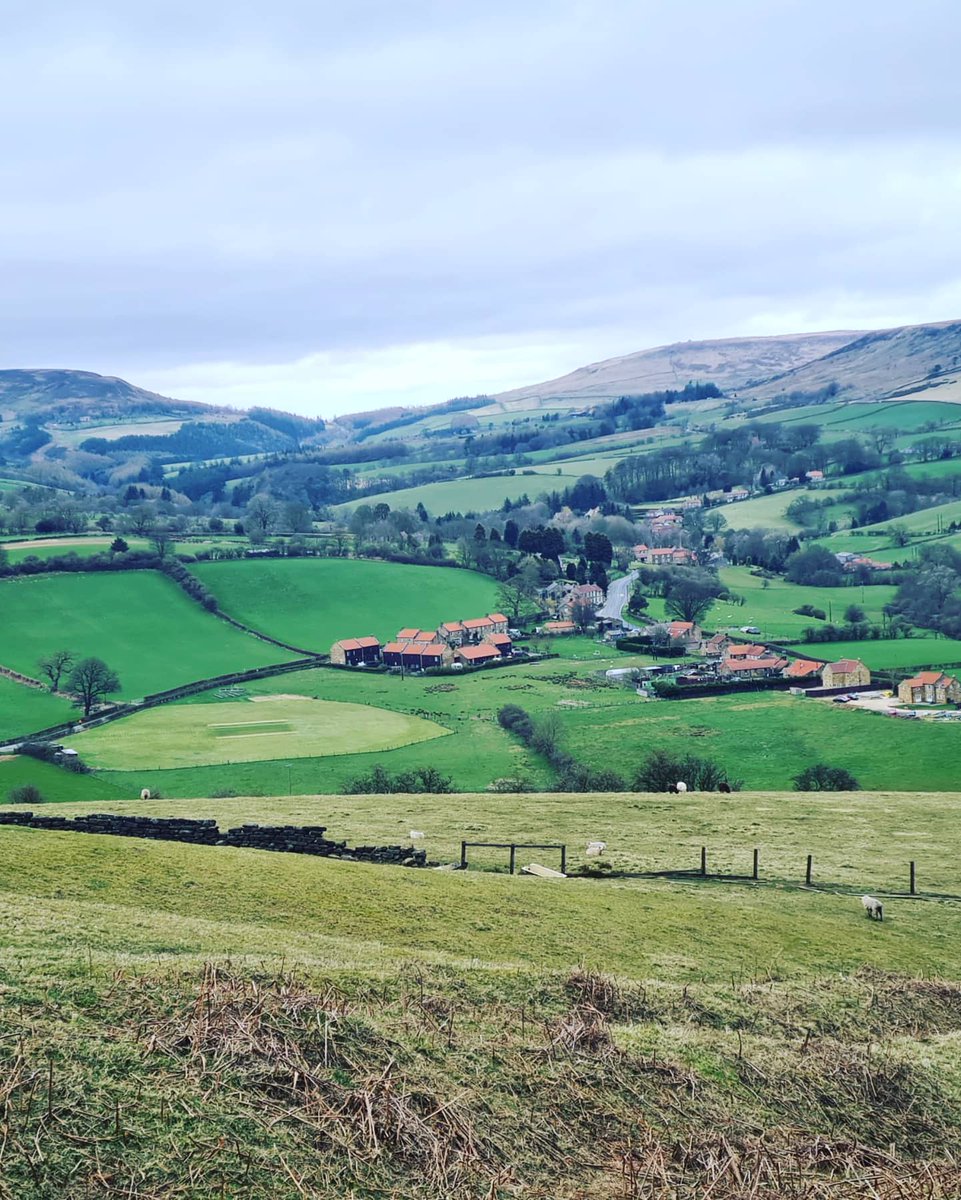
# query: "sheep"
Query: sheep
{"points": [[724, 787], [680, 787], [595, 849], [415, 835], [145, 793], [873, 908]]}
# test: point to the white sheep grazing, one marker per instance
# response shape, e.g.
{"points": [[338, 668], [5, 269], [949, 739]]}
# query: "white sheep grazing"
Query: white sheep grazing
{"points": [[873, 908], [681, 787], [415, 835], [145, 793], [595, 849]]}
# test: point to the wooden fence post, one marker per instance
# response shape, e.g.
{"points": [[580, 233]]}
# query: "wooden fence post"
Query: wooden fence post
{"points": [[754, 873], [704, 860], [807, 875], [463, 854], [913, 880], [513, 857], [564, 859]]}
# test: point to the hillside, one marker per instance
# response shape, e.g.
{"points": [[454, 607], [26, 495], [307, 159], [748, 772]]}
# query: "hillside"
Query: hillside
{"points": [[730, 363], [209, 1022], [920, 361], [83, 395]]}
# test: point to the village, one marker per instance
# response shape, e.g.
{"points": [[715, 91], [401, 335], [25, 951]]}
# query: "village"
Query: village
{"points": [[708, 663]]}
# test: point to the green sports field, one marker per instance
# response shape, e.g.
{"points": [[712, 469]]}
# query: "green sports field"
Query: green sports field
{"points": [[139, 622], [277, 727], [313, 602]]}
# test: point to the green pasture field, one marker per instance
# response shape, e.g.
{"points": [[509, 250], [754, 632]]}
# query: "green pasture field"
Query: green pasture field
{"points": [[877, 545], [23, 709], [272, 728], [236, 902], [73, 437], [764, 738], [891, 653], [859, 840], [925, 520], [763, 512], [139, 622], [86, 545], [901, 414], [467, 495], [56, 784], [770, 608], [313, 602]]}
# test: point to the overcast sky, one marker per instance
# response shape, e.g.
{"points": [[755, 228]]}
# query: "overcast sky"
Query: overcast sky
{"points": [[334, 206]]}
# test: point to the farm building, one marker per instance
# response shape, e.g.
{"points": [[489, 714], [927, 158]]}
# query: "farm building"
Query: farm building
{"points": [[804, 668], [752, 668], [846, 672], [417, 656], [672, 556], [716, 646], [744, 650], [351, 652], [587, 595], [501, 642], [930, 687], [687, 632], [557, 628], [476, 656]]}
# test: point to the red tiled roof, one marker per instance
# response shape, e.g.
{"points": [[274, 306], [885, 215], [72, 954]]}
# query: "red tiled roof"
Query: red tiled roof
{"points": [[432, 651], [802, 667], [559, 625], [753, 664], [926, 678], [499, 639], [394, 648], [425, 635], [407, 633], [677, 627], [498, 618], [477, 623], [357, 643], [452, 626], [846, 666], [741, 650], [477, 652]]}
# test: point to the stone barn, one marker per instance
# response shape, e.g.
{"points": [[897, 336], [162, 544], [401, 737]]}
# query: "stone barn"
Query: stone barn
{"points": [[355, 652], [846, 672], [930, 687]]}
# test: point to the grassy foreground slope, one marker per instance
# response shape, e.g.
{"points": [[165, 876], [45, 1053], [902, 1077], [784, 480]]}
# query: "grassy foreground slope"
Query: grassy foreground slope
{"points": [[859, 840], [139, 622], [313, 602], [209, 1022]]}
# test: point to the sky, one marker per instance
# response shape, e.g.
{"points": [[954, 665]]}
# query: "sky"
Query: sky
{"points": [[331, 207]]}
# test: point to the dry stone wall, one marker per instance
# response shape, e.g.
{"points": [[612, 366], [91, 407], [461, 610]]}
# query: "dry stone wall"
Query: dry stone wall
{"points": [[287, 839]]}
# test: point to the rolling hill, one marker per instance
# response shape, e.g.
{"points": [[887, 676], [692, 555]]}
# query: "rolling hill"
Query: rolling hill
{"points": [[729, 362]]}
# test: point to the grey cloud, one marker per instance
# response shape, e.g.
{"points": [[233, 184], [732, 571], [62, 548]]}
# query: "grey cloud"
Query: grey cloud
{"points": [[192, 183]]}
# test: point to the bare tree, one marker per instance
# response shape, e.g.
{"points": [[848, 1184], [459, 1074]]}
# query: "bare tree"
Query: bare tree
{"points": [[91, 681], [262, 514], [53, 666]]}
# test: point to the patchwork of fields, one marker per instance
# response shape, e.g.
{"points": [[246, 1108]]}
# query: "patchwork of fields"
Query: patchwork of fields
{"points": [[140, 623]]}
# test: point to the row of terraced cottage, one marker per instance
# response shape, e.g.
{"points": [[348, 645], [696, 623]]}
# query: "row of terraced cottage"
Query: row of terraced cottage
{"points": [[472, 642]]}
